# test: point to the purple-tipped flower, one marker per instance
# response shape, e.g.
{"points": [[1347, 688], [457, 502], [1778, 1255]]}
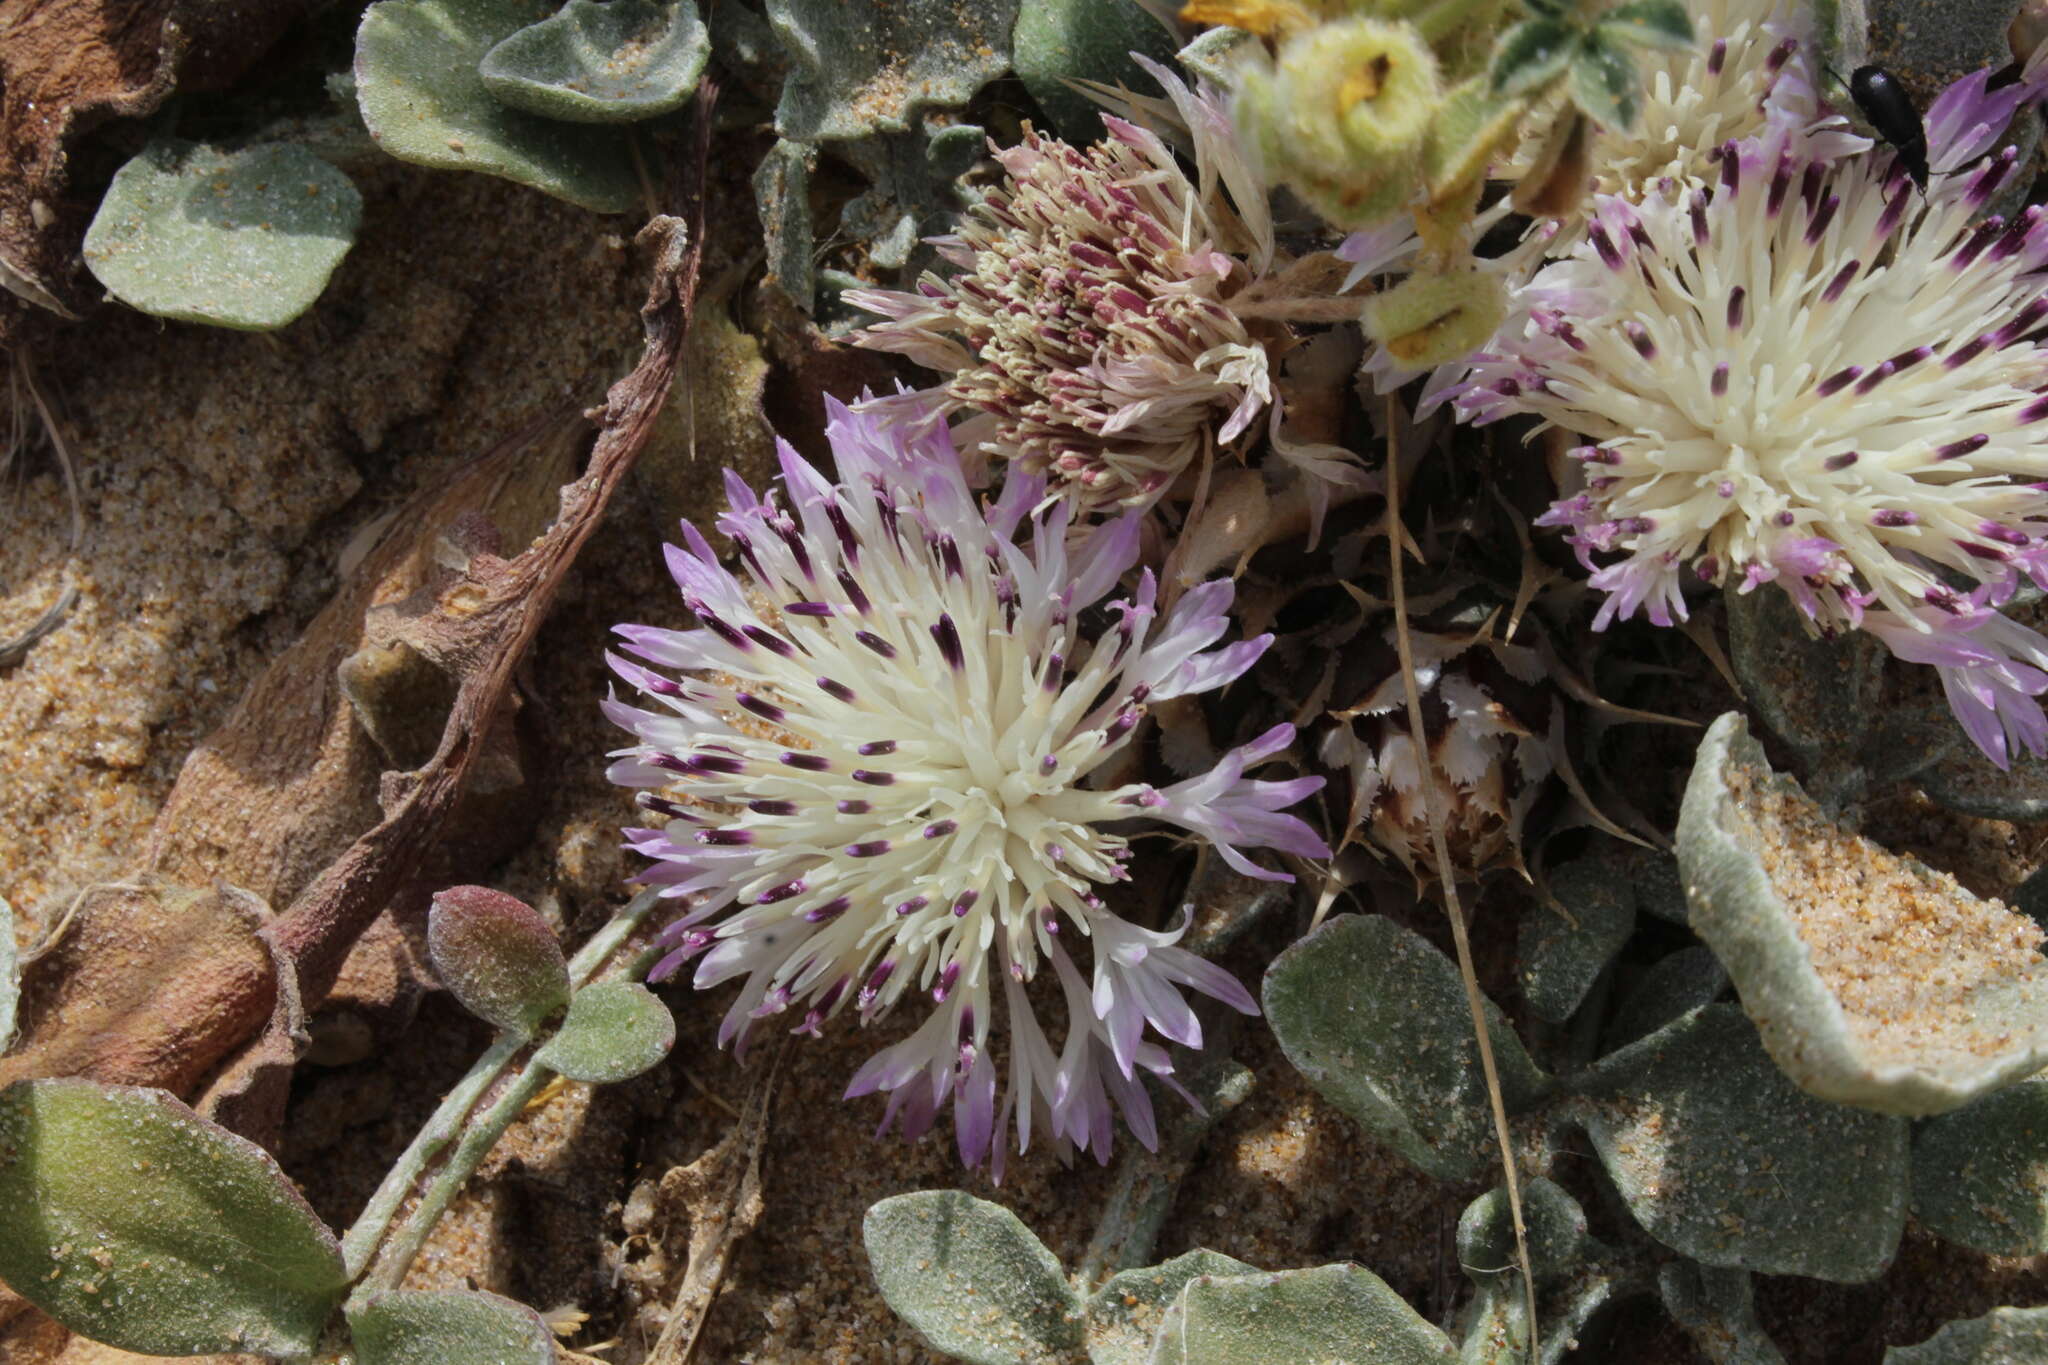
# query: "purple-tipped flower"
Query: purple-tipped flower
{"points": [[1842, 393], [1089, 336], [918, 818]]}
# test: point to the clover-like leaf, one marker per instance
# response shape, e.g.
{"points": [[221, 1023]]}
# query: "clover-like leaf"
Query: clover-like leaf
{"points": [[615, 62], [2004, 1336], [131, 1220], [970, 1277], [1376, 1018], [418, 86], [1328, 1313], [614, 1031], [497, 956], [1724, 1160], [1561, 953], [1531, 54], [241, 239], [1872, 979], [1980, 1174], [1604, 83], [448, 1327], [1124, 1315], [1649, 23]]}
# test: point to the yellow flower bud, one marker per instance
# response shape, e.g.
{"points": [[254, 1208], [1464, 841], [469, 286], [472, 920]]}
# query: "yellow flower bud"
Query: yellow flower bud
{"points": [[1430, 320]]}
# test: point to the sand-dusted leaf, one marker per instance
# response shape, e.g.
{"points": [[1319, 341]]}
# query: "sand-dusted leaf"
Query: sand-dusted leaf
{"points": [[1872, 979], [241, 239], [1980, 1174], [130, 1219], [1558, 1241], [970, 1277], [872, 66], [1560, 953], [1057, 41], [1124, 1315], [1376, 1019], [1717, 1308], [614, 1031], [1330, 1312], [602, 63], [497, 956], [1723, 1159], [448, 1327], [424, 101], [2004, 1336]]}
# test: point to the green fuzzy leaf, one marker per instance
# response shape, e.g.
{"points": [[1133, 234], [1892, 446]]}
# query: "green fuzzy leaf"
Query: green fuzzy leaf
{"points": [[497, 956], [1723, 1159], [1124, 1315], [1329, 1313], [2004, 1336], [1980, 1174], [1471, 126], [970, 1277], [421, 95], [236, 239], [873, 66], [1530, 55], [1559, 959], [602, 63], [1376, 1018], [1604, 83], [1061, 40], [614, 1031], [448, 1327], [133, 1221], [1649, 23]]}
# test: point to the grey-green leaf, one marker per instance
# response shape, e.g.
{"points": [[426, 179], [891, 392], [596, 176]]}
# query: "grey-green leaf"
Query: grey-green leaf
{"points": [[972, 1279], [2004, 1336], [1604, 83], [421, 95], [1724, 1160], [614, 1031], [602, 63], [1717, 1309], [1124, 1315], [1649, 23], [1980, 1174], [1818, 695], [1672, 985], [448, 1327], [1328, 1313], [1061, 40], [1531, 54], [236, 239], [872, 66], [1560, 954], [131, 1220], [1376, 1018], [1873, 980], [1558, 1241]]}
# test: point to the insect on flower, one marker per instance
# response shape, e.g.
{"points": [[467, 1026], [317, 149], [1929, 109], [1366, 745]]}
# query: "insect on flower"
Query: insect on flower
{"points": [[875, 757]]}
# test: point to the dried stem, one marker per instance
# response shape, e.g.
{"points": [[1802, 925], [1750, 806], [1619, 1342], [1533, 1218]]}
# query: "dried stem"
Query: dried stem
{"points": [[1474, 1001]]}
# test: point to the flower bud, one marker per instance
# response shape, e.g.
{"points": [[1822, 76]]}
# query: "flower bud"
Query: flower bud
{"points": [[1431, 320]]}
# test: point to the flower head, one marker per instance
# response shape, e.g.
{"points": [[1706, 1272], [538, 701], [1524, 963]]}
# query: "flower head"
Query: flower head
{"points": [[876, 762], [1807, 375], [1089, 335]]}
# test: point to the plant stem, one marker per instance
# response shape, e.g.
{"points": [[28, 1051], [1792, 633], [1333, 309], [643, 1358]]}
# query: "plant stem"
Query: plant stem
{"points": [[370, 1229]]}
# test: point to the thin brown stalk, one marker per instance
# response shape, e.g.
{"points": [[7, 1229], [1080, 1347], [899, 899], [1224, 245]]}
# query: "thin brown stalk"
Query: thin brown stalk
{"points": [[1474, 1001]]}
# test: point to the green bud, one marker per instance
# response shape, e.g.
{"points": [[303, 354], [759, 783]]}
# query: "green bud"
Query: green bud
{"points": [[1430, 320]]}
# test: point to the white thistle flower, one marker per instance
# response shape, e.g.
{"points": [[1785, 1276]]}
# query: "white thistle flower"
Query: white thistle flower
{"points": [[877, 766]]}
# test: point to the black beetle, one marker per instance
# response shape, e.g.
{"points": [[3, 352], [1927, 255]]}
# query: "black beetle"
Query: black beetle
{"points": [[1887, 107]]}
